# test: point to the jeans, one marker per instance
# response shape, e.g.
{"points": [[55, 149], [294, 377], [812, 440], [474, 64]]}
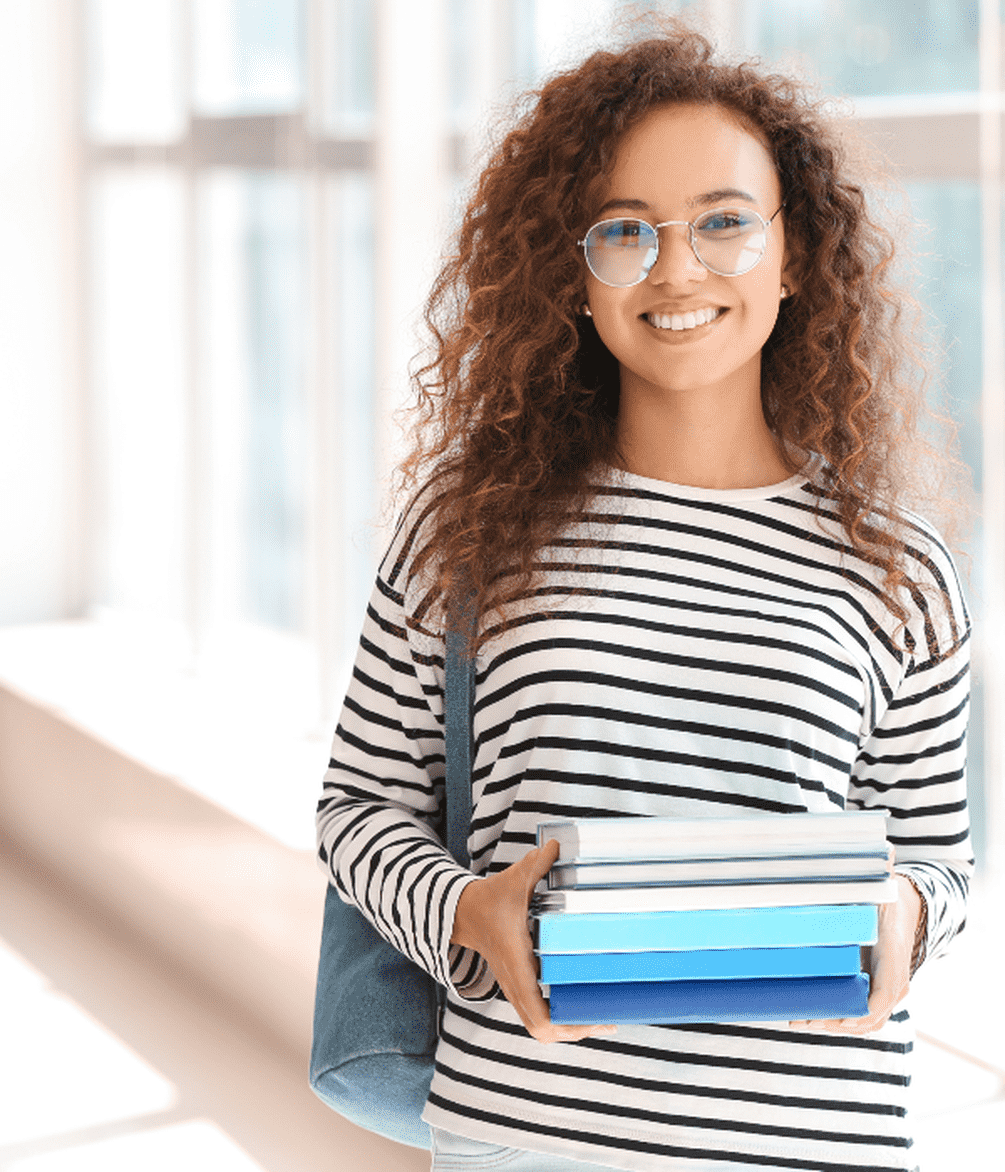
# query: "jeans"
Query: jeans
{"points": [[456, 1152]]}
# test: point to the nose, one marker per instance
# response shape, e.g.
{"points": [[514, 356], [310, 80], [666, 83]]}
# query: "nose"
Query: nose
{"points": [[676, 263]]}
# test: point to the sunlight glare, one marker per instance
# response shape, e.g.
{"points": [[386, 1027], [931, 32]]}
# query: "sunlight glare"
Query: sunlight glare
{"points": [[61, 1069], [196, 1146]]}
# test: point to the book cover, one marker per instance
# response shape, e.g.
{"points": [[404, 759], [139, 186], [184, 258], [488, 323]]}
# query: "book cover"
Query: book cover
{"points": [[570, 968], [651, 1002], [578, 901], [661, 838], [764, 869], [772, 927]]}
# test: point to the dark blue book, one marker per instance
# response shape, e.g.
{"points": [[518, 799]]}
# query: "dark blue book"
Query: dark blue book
{"points": [[570, 968], [654, 1002], [699, 928]]}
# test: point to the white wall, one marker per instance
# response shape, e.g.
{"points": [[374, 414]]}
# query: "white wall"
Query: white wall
{"points": [[39, 522]]}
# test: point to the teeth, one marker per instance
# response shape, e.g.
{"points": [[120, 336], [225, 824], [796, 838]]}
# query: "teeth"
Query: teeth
{"points": [[687, 321]]}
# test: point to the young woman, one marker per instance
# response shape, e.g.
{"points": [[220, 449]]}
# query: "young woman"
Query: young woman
{"points": [[666, 455]]}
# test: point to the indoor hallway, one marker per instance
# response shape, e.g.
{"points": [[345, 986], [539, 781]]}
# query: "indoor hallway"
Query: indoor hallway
{"points": [[112, 1060]]}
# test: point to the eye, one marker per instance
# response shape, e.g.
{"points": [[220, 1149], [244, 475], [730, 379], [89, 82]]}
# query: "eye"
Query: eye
{"points": [[622, 233], [726, 222]]}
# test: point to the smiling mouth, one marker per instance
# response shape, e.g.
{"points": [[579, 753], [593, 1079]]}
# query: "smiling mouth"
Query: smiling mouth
{"points": [[683, 321]]}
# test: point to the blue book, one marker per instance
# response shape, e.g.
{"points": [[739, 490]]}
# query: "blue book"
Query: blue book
{"points": [[699, 928], [652, 1002], [570, 968]]}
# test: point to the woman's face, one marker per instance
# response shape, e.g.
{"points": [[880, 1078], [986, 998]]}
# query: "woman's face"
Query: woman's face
{"points": [[678, 162]]}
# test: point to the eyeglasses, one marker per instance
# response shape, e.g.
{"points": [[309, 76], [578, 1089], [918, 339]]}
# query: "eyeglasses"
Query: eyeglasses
{"points": [[727, 241]]}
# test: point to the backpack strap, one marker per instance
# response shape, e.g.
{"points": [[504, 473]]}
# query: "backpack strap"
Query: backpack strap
{"points": [[459, 698]]}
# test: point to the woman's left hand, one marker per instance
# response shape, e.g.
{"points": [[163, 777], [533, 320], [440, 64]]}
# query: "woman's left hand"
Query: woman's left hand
{"points": [[888, 963]]}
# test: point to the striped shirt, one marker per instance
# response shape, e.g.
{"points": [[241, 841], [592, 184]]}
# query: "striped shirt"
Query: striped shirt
{"points": [[687, 652]]}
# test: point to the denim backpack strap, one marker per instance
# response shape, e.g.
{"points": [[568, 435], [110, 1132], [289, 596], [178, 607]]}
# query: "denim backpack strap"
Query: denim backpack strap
{"points": [[459, 696]]}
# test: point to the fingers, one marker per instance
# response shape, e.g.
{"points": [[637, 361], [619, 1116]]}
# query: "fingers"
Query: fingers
{"points": [[844, 1025], [536, 863], [888, 963], [571, 1033], [882, 1002], [524, 994]]}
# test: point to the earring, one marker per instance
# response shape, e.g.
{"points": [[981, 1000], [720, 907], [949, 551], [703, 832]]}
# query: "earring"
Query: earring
{"points": [[585, 310], [784, 293]]}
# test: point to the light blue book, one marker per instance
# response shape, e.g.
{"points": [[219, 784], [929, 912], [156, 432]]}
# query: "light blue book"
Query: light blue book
{"points": [[568, 968], [700, 928], [652, 1002]]}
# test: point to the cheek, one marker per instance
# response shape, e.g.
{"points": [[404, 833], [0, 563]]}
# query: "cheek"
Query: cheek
{"points": [[762, 300], [612, 314], [616, 336], [603, 299]]}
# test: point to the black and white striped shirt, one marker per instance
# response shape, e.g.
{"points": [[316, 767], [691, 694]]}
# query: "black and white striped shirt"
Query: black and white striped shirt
{"points": [[690, 652]]}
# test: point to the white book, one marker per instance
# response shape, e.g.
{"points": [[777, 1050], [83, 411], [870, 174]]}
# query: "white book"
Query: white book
{"points": [[764, 868], [730, 895], [697, 838]]}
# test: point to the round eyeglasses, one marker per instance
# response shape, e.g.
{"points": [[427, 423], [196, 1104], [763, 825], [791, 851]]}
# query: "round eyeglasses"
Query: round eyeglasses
{"points": [[727, 241]]}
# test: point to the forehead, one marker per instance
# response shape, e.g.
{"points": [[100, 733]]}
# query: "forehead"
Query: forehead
{"points": [[678, 153]]}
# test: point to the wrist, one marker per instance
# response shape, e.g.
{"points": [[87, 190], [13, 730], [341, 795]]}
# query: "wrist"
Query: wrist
{"points": [[913, 892], [462, 930], [920, 931]]}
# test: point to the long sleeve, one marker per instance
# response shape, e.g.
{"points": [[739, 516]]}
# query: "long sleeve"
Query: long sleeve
{"points": [[380, 805], [914, 765]]}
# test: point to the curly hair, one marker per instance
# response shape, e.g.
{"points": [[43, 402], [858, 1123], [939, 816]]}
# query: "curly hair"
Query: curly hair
{"points": [[518, 402]]}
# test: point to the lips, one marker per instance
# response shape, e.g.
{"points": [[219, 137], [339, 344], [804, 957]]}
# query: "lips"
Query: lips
{"points": [[683, 321]]}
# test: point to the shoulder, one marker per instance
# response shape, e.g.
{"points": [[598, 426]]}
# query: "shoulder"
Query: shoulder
{"points": [[409, 544], [924, 582], [409, 573], [940, 617]]}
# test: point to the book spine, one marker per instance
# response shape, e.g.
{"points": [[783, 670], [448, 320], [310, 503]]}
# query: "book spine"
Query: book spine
{"points": [[698, 896], [774, 927], [706, 964], [652, 1002], [843, 866], [633, 838]]}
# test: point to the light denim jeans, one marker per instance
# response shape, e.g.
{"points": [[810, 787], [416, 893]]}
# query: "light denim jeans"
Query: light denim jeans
{"points": [[455, 1152]]}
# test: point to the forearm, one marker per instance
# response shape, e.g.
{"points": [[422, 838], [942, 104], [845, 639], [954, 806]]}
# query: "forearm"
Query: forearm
{"points": [[920, 920], [943, 887], [389, 863]]}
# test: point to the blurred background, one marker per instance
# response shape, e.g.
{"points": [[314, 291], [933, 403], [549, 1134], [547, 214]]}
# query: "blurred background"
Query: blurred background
{"points": [[219, 220]]}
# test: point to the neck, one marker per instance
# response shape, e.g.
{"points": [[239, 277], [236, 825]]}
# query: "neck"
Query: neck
{"points": [[708, 438]]}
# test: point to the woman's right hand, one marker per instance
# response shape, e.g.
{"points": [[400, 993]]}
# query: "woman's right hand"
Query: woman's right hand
{"points": [[491, 918]]}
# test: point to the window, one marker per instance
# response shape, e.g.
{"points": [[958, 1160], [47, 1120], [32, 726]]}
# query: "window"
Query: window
{"points": [[267, 183], [865, 48]]}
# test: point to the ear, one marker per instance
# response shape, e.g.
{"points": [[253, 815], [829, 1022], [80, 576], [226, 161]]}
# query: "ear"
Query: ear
{"points": [[791, 272]]}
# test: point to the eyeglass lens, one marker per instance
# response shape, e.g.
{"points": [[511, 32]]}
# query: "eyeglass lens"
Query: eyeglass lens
{"points": [[728, 241]]}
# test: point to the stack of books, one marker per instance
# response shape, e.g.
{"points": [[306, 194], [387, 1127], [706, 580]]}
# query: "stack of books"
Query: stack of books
{"points": [[761, 918]]}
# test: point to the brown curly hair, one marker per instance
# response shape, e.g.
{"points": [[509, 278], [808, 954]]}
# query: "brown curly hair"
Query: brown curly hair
{"points": [[518, 402]]}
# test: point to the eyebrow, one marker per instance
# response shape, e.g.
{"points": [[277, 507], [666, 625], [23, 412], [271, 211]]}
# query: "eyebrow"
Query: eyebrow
{"points": [[707, 199]]}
